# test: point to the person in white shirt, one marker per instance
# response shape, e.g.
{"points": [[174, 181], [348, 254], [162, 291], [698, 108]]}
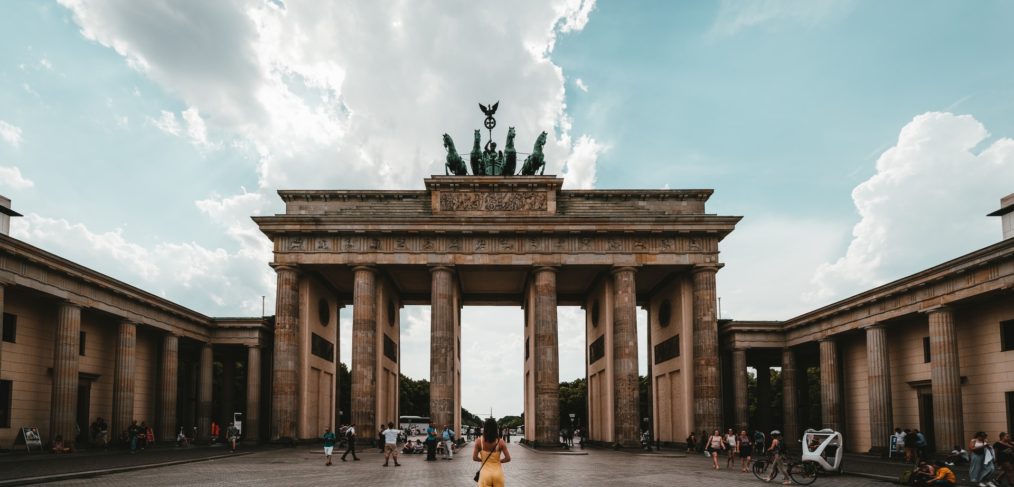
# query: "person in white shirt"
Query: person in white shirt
{"points": [[391, 444]]}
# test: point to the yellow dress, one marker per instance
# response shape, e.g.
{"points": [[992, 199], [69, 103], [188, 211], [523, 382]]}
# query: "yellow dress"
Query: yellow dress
{"points": [[491, 474]]}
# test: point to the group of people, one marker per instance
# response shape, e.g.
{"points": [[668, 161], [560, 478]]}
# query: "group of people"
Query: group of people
{"points": [[743, 446], [490, 448], [989, 463]]}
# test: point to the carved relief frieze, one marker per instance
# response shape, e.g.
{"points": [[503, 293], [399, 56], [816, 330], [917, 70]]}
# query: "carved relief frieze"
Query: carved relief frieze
{"points": [[507, 201], [494, 243]]}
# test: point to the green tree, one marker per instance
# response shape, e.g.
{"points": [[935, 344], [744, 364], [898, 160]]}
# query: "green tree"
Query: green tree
{"points": [[345, 393], [414, 397], [573, 400]]}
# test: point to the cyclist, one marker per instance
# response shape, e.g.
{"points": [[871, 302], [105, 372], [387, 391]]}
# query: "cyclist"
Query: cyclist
{"points": [[777, 451]]}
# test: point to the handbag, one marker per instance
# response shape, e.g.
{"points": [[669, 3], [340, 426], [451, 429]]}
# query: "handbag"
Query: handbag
{"points": [[477, 472]]}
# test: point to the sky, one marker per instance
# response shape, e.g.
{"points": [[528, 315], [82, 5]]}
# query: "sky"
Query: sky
{"points": [[861, 141]]}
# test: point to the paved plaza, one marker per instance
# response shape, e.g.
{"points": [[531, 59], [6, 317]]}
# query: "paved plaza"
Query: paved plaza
{"points": [[305, 466]]}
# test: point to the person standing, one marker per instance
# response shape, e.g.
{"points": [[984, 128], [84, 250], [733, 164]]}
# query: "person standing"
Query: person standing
{"points": [[431, 443], [329, 439], [899, 441], [380, 438], [759, 441], [232, 433], [350, 437], [492, 452], [448, 437], [391, 444], [692, 442], [1004, 450], [133, 432], [745, 450], [777, 448], [919, 445], [981, 465]]}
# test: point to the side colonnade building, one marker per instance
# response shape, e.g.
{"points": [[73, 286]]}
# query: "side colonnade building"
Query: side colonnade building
{"points": [[933, 351], [77, 345]]}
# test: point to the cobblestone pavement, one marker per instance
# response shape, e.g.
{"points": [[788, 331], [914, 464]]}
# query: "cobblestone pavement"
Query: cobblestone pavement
{"points": [[305, 466]]}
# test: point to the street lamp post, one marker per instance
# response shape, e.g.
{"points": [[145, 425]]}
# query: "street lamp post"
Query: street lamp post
{"points": [[571, 435]]}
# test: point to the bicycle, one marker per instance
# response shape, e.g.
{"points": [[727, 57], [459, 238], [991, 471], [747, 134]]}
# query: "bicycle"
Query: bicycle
{"points": [[802, 473]]}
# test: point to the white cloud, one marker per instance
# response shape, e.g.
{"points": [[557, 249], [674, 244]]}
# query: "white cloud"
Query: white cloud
{"points": [[10, 134], [167, 123], [926, 203], [11, 178], [769, 262], [580, 85], [196, 130], [737, 15]]}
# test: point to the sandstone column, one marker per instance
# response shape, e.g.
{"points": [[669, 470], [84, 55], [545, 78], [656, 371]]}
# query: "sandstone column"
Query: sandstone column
{"points": [[830, 391], [123, 379], [167, 388], [790, 398], [226, 386], [364, 352], [251, 423], [879, 389], [547, 360], [626, 387], [286, 357], [1, 324], [739, 386], [764, 396], [707, 380], [63, 404], [204, 384], [442, 374], [945, 378]]}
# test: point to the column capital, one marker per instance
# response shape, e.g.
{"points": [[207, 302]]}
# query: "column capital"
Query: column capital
{"points": [[828, 338], [367, 268], [623, 268], [875, 326], [283, 267], [441, 268], [698, 268], [256, 345], [71, 304], [943, 308], [546, 268]]}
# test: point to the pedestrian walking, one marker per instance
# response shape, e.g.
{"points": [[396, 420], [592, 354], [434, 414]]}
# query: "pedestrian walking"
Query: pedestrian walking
{"points": [[777, 448], [350, 438], [448, 437], [232, 434], [492, 452], [745, 449], [731, 448], [329, 439], [391, 444], [715, 444]]}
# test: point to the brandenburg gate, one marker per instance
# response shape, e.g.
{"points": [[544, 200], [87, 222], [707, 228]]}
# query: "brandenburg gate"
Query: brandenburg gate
{"points": [[505, 241]]}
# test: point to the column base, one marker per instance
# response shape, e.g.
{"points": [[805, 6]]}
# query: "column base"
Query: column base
{"points": [[542, 445]]}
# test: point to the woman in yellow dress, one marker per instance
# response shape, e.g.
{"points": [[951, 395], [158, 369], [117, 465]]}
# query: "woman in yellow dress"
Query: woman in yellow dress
{"points": [[492, 451]]}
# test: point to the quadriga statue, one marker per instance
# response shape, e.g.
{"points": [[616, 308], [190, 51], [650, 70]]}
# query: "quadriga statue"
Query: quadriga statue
{"points": [[536, 162], [455, 164]]}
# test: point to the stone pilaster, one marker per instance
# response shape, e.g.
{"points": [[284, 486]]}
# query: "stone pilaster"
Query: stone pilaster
{"points": [[830, 389], [945, 378], [285, 374], [63, 403], [707, 379], [167, 388], [879, 389], [251, 422], [204, 385], [790, 396], [123, 378], [364, 352], [739, 386], [442, 373], [547, 359]]}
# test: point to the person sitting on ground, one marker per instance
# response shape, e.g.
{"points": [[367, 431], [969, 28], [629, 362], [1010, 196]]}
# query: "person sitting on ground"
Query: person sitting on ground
{"points": [[923, 475], [944, 476], [59, 447], [232, 433]]}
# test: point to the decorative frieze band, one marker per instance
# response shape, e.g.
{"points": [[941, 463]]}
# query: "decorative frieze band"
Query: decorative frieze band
{"points": [[472, 201], [497, 244]]}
